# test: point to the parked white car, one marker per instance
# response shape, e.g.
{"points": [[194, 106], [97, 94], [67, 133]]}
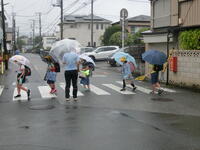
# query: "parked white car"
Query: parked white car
{"points": [[101, 53]]}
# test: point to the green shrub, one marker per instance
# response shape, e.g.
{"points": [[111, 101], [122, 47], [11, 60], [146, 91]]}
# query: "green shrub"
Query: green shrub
{"points": [[190, 40]]}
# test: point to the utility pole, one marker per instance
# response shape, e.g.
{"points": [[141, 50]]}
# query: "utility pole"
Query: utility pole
{"points": [[61, 20], [123, 16], [92, 23], [61, 17], [5, 56], [33, 35], [13, 32], [40, 28]]}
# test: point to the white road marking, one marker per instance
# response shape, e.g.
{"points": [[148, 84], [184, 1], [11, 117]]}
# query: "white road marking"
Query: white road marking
{"points": [[44, 91], [117, 89], [62, 85], [1, 89], [142, 89], [23, 95], [99, 76], [98, 91], [168, 90]]}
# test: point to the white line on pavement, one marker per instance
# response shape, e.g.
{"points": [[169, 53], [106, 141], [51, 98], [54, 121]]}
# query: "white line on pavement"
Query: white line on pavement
{"points": [[44, 91], [98, 91], [1, 89], [117, 89], [23, 95], [142, 89], [62, 85]]}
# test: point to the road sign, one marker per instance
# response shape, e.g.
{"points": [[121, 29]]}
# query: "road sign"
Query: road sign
{"points": [[124, 13]]}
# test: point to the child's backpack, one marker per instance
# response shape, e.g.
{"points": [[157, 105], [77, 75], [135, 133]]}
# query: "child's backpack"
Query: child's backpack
{"points": [[132, 66], [158, 68], [27, 71], [57, 67]]}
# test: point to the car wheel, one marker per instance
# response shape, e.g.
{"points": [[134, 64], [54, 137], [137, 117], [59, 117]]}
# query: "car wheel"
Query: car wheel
{"points": [[93, 58]]}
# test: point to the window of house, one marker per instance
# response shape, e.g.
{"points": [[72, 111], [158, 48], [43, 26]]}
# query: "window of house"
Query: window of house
{"points": [[133, 29], [73, 26], [97, 26], [94, 44], [88, 43], [88, 26], [102, 26]]}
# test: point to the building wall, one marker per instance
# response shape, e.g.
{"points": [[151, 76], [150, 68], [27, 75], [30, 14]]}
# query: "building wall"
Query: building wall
{"points": [[161, 13], [48, 42], [188, 69], [190, 13], [82, 32]]}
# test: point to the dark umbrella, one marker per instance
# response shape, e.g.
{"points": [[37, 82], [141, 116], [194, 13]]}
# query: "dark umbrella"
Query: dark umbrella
{"points": [[154, 57]]}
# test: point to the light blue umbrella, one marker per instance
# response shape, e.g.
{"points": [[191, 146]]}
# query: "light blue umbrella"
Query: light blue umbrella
{"points": [[154, 57], [117, 56]]}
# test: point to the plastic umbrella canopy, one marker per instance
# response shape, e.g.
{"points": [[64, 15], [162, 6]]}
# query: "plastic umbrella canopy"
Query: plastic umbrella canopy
{"points": [[64, 46], [87, 58], [117, 56], [154, 57], [20, 59]]}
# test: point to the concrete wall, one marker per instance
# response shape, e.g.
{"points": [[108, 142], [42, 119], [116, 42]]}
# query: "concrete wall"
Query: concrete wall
{"points": [[188, 68]]}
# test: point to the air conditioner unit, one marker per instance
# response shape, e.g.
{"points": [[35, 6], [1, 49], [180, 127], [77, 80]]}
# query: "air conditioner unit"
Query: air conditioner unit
{"points": [[180, 21]]}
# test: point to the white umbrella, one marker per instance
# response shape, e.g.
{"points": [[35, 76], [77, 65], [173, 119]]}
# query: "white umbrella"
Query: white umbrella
{"points": [[64, 46], [20, 59], [87, 58]]}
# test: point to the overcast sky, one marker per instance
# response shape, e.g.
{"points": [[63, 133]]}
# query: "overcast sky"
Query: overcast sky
{"points": [[109, 9]]}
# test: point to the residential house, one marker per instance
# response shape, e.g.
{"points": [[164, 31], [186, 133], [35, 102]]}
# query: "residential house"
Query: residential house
{"points": [[168, 18], [136, 23], [48, 42], [79, 28]]}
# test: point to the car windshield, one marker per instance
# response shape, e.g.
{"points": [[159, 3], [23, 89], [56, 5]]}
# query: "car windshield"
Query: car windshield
{"points": [[89, 49]]}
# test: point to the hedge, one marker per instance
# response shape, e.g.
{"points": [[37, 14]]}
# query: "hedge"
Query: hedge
{"points": [[190, 40]]}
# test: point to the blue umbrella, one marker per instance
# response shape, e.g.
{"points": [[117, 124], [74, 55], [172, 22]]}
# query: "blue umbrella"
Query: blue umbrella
{"points": [[154, 57], [128, 57]]}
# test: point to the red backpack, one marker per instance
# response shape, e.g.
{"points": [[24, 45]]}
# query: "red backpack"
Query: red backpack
{"points": [[132, 66]]}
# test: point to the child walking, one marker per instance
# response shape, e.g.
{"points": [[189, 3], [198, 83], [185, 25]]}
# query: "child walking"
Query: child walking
{"points": [[85, 74], [50, 76], [126, 74]]}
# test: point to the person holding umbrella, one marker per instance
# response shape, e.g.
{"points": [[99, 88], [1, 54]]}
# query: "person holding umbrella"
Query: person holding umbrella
{"points": [[23, 64], [126, 74], [50, 76], [156, 59]]}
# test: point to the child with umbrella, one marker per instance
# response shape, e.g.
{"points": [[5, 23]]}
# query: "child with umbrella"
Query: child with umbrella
{"points": [[126, 74], [50, 76]]}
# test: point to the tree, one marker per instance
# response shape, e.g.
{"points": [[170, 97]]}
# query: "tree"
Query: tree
{"points": [[115, 39], [38, 41], [20, 43], [109, 32], [138, 35]]}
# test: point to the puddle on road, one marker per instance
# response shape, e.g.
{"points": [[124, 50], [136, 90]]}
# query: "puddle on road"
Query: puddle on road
{"points": [[28, 147], [162, 99], [42, 107]]}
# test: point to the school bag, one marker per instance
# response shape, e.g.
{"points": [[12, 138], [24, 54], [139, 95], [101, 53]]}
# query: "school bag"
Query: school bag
{"points": [[57, 67], [158, 68], [132, 66], [27, 71]]}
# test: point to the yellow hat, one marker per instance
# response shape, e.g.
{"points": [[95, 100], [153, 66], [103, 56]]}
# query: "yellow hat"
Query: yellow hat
{"points": [[123, 59], [47, 57]]}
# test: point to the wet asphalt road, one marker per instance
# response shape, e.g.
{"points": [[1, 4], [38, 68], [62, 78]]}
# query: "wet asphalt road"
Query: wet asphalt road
{"points": [[112, 122]]}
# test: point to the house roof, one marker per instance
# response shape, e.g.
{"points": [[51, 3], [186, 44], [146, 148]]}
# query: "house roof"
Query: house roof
{"points": [[84, 18], [142, 18]]}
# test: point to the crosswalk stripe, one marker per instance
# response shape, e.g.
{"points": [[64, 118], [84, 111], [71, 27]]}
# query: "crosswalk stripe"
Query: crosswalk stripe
{"points": [[168, 90], [142, 89], [23, 95], [116, 88], [1, 89], [44, 92], [62, 85], [98, 91]]}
